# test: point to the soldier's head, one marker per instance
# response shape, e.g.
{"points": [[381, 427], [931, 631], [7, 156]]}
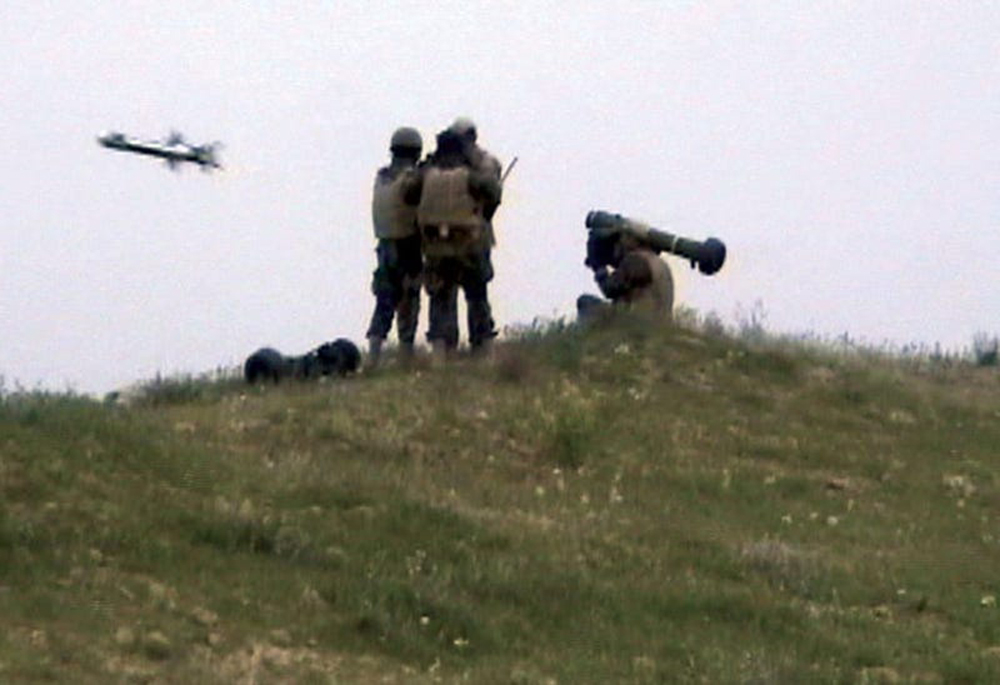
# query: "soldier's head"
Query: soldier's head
{"points": [[602, 249], [607, 247], [465, 129], [406, 143], [450, 149]]}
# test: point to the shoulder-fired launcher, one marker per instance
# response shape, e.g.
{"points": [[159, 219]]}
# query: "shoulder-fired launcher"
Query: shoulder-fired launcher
{"points": [[708, 255]]}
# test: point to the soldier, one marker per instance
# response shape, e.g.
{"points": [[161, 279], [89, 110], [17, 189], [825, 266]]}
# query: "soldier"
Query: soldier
{"points": [[396, 281], [483, 162], [477, 157], [638, 279], [457, 194]]}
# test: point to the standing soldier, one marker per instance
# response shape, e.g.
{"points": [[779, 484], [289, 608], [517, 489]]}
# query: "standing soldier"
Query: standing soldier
{"points": [[396, 281], [457, 194], [484, 163]]}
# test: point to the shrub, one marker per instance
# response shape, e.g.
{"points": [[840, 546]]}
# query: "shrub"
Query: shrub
{"points": [[984, 348]]}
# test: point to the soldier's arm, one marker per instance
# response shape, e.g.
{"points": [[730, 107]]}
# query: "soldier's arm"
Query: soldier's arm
{"points": [[632, 272], [413, 187], [485, 182], [493, 167], [485, 187]]}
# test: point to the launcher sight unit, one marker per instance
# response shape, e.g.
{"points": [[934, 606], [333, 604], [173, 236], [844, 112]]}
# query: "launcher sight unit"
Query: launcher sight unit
{"points": [[605, 228]]}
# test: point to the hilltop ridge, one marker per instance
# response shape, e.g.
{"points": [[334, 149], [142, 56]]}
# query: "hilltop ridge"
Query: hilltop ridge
{"points": [[614, 504]]}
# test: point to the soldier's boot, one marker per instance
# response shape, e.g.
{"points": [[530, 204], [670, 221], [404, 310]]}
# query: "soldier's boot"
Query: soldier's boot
{"points": [[406, 353], [480, 319], [374, 352], [439, 352], [407, 315], [484, 350]]}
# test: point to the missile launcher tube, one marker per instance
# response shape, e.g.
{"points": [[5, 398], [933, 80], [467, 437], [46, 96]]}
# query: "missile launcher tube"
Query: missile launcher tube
{"points": [[709, 255]]}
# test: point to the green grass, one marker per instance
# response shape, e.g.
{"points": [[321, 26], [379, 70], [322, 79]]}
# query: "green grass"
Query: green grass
{"points": [[613, 504]]}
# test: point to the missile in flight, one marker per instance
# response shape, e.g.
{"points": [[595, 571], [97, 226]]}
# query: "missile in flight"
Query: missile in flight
{"points": [[174, 151]]}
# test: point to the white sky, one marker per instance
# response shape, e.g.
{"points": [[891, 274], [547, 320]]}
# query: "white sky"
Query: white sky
{"points": [[848, 153]]}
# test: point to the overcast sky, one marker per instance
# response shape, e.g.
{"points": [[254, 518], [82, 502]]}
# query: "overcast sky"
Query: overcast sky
{"points": [[848, 153]]}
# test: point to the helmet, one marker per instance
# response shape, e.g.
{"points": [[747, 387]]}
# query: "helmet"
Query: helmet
{"points": [[406, 138], [464, 126]]}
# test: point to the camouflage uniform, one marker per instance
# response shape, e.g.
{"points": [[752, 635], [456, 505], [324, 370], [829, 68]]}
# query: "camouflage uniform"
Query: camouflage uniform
{"points": [[640, 280], [396, 286], [459, 191], [396, 280]]}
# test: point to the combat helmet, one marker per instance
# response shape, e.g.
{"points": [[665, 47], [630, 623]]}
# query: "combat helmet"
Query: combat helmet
{"points": [[405, 139], [464, 127]]}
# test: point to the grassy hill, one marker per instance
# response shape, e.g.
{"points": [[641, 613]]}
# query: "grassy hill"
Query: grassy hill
{"points": [[620, 504]]}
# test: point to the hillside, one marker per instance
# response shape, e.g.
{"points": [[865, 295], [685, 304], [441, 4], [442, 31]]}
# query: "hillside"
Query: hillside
{"points": [[612, 505]]}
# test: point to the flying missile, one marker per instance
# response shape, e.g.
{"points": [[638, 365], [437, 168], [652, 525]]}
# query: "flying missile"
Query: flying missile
{"points": [[175, 150]]}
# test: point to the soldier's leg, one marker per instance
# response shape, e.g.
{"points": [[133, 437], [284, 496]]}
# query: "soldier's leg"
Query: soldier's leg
{"points": [[444, 316], [386, 289], [477, 274], [442, 287], [407, 317], [381, 321], [479, 314], [442, 332], [408, 305], [590, 307]]}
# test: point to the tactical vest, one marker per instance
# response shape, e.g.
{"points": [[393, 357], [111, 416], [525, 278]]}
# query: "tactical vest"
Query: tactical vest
{"points": [[392, 218], [445, 199], [658, 295], [450, 219]]}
